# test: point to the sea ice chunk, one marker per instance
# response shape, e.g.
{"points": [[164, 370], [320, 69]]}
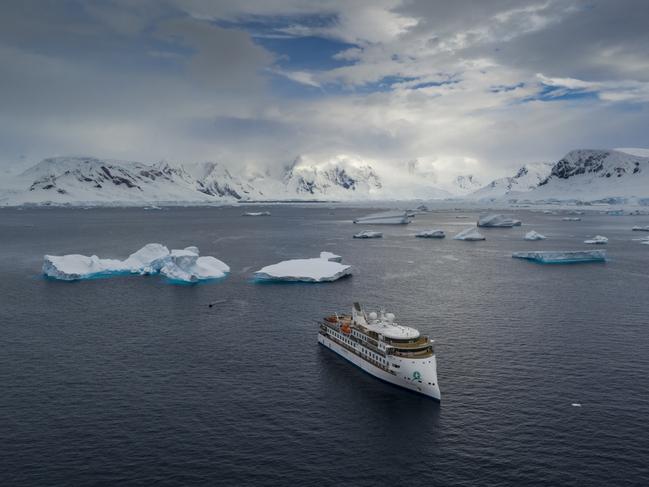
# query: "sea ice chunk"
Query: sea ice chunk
{"points": [[597, 239], [431, 234], [178, 265], [533, 235], [385, 218], [470, 234], [563, 256], [640, 229], [496, 220], [186, 266], [368, 234], [257, 213], [330, 257], [571, 219], [304, 270]]}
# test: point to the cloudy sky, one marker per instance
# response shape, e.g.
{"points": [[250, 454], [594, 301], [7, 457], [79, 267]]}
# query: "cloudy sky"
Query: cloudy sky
{"points": [[445, 87]]}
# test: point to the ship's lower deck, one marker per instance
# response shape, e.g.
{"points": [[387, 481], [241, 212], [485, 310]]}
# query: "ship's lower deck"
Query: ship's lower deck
{"points": [[417, 375]]}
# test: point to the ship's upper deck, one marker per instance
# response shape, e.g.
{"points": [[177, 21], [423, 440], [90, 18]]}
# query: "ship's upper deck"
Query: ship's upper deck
{"points": [[392, 330]]}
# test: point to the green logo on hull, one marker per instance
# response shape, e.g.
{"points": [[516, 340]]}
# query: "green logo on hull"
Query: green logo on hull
{"points": [[416, 376]]}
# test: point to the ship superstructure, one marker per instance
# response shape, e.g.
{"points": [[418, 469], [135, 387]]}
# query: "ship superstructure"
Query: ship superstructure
{"points": [[389, 351]]}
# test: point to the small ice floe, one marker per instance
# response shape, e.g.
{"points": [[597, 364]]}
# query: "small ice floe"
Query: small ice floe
{"points": [[563, 257], [368, 234], [470, 234], [498, 221], [643, 240], [152, 207], [571, 219], [597, 240], [533, 235], [256, 213], [304, 270], [178, 265], [576, 405], [641, 229], [330, 256], [431, 234], [386, 218]]}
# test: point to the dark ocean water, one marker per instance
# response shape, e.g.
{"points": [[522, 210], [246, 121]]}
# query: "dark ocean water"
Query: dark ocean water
{"points": [[133, 381]]}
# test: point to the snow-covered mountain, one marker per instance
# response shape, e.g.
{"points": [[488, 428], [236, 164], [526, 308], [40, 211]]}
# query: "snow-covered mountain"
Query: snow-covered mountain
{"points": [[337, 178], [590, 175], [527, 178], [620, 176], [465, 184], [89, 180]]}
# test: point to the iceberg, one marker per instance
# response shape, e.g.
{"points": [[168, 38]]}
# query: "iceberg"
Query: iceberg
{"points": [[431, 234], [318, 269], [640, 229], [257, 213], [571, 219], [368, 234], [331, 257], [471, 234], [385, 218], [178, 265], [562, 256], [597, 240], [496, 220], [533, 235], [187, 266]]}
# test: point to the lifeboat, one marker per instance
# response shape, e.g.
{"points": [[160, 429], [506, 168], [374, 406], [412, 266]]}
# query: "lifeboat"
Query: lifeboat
{"points": [[346, 329]]}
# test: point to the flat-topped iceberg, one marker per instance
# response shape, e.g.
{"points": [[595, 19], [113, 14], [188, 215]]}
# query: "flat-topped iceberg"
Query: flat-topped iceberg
{"points": [[368, 234], [431, 234], [257, 213], [571, 219], [597, 240], [497, 220], [533, 235], [178, 265], [385, 218], [562, 256], [320, 269], [470, 235], [641, 229]]}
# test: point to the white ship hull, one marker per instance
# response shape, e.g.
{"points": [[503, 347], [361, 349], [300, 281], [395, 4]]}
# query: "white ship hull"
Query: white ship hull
{"points": [[418, 375]]}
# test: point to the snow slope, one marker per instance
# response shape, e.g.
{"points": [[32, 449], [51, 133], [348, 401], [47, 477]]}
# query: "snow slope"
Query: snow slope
{"points": [[591, 175], [89, 180], [527, 178]]}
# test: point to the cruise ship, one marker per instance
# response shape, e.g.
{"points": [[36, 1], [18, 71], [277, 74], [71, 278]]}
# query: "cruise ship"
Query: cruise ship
{"points": [[391, 352]]}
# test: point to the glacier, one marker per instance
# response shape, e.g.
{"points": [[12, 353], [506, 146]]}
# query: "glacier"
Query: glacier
{"points": [[534, 235], [319, 269], [177, 265], [470, 234], [562, 256]]}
